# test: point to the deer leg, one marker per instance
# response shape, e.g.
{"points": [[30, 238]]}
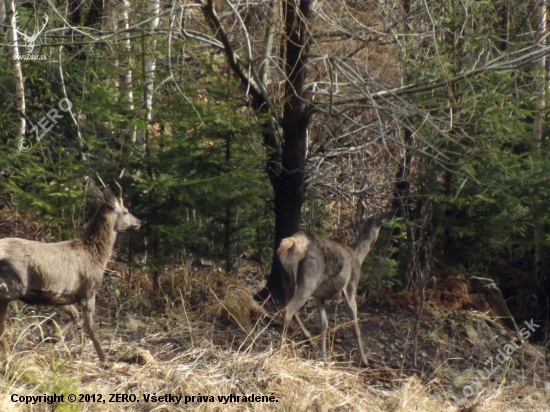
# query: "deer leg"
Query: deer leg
{"points": [[3, 313], [290, 291], [323, 322], [302, 326], [74, 318], [291, 310], [350, 299], [88, 309]]}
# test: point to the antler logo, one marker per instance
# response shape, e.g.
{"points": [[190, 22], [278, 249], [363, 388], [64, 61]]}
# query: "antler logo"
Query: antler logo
{"points": [[30, 40]]}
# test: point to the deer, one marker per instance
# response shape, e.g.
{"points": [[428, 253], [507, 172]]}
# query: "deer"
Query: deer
{"points": [[65, 274], [324, 269]]}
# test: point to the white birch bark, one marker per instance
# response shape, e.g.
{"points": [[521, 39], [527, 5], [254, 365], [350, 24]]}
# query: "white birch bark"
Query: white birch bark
{"points": [[153, 7], [17, 71], [125, 77], [2, 11]]}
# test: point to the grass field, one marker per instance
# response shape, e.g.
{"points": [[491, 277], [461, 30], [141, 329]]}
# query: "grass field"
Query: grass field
{"points": [[203, 339]]}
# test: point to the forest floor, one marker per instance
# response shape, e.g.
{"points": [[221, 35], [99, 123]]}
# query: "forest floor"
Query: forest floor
{"points": [[203, 338], [182, 342]]}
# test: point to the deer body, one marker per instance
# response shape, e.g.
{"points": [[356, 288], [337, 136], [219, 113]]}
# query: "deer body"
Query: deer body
{"points": [[323, 268], [67, 273]]}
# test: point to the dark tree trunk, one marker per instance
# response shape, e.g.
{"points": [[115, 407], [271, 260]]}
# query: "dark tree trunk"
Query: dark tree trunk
{"points": [[93, 19], [289, 181], [287, 156], [95, 13], [288, 187], [75, 12]]}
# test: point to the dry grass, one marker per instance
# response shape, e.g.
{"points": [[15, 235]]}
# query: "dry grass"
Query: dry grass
{"points": [[196, 339]]}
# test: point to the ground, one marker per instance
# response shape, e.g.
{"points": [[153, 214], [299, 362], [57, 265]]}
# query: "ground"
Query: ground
{"points": [[182, 342]]}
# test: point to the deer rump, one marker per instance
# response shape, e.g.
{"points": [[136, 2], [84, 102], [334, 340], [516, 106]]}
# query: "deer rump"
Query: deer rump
{"points": [[327, 255], [292, 251]]}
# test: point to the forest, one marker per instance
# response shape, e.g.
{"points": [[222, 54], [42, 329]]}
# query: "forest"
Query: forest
{"points": [[208, 133]]}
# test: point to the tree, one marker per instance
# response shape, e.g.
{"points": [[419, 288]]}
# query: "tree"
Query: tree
{"points": [[404, 103]]}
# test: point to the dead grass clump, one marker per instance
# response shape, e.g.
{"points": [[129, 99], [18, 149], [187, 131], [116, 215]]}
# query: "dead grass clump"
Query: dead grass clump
{"points": [[218, 295], [448, 294], [234, 302]]}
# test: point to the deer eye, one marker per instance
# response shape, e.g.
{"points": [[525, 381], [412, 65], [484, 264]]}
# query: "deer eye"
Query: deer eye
{"points": [[125, 213]]}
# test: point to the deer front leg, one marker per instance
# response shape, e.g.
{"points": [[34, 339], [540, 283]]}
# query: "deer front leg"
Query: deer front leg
{"points": [[323, 322], [353, 310], [88, 309]]}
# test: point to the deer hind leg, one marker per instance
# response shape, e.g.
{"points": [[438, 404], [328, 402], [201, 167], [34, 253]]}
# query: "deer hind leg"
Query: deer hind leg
{"points": [[350, 299], [291, 310], [3, 315], [323, 323], [88, 310], [304, 329], [74, 318], [290, 289]]}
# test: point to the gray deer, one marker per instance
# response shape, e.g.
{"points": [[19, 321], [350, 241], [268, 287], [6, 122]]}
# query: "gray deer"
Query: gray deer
{"points": [[64, 274], [323, 268]]}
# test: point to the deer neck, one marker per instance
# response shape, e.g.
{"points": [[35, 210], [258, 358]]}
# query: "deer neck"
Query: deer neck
{"points": [[99, 236], [362, 248]]}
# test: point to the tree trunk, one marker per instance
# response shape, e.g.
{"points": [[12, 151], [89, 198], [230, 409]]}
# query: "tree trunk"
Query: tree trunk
{"points": [[539, 202], [125, 77], [18, 75], [2, 11], [289, 183], [75, 12], [148, 65], [286, 159], [289, 189], [95, 14], [495, 300]]}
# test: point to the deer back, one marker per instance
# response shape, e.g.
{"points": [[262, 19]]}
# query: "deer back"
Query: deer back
{"points": [[65, 272]]}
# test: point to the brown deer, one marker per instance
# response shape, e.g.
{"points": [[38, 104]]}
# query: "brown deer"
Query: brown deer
{"points": [[64, 274], [323, 268]]}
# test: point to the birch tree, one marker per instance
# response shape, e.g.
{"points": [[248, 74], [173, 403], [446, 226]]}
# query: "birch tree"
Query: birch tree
{"points": [[17, 71]]}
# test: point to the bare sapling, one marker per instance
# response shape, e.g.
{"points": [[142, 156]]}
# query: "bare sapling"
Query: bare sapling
{"points": [[323, 268], [64, 274]]}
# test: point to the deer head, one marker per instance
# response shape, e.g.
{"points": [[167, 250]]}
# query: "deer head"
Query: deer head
{"points": [[30, 39], [124, 220], [369, 229]]}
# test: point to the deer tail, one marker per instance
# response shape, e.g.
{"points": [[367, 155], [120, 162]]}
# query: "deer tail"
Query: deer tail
{"points": [[291, 251]]}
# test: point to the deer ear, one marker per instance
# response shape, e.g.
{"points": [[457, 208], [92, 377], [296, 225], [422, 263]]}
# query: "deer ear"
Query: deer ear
{"points": [[385, 217], [109, 198], [96, 193], [361, 215]]}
